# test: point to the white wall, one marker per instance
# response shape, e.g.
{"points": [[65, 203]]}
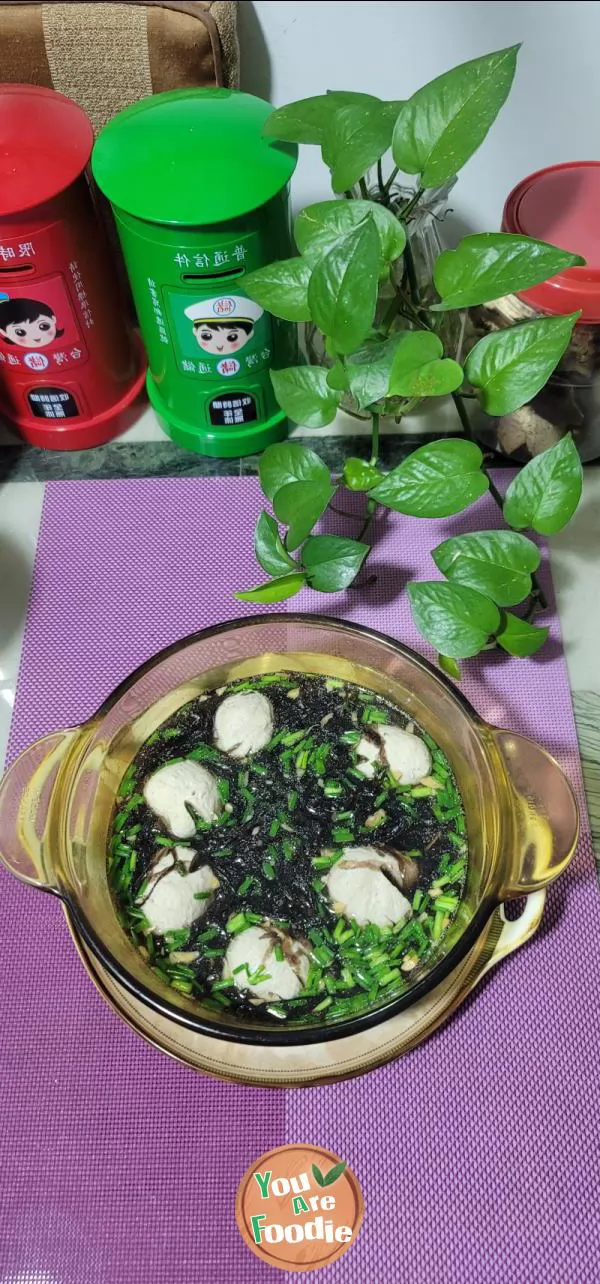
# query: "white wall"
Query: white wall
{"points": [[293, 50]]}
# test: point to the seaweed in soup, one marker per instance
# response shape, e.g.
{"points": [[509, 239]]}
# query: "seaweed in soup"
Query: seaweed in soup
{"points": [[342, 869]]}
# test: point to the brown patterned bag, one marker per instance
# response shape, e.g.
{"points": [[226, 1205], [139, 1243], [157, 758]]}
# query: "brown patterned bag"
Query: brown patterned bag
{"points": [[106, 55]]}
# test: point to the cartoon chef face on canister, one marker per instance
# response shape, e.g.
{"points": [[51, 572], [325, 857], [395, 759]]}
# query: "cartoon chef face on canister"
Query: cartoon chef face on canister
{"points": [[27, 323], [225, 324]]}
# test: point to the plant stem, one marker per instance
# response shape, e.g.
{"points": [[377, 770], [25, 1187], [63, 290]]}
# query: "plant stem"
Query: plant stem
{"points": [[363, 189], [372, 504], [374, 439], [391, 178], [370, 513], [380, 177], [409, 264], [538, 597], [405, 213]]}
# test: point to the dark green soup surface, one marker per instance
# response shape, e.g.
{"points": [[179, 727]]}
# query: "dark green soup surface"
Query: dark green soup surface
{"points": [[290, 847]]}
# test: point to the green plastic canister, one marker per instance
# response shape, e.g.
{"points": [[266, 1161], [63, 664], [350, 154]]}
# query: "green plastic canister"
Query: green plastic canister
{"points": [[200, 198]]}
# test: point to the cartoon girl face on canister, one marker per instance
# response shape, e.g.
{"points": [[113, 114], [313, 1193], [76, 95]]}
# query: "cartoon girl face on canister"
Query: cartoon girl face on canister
{"points": [[27, 323], [224, 325]]}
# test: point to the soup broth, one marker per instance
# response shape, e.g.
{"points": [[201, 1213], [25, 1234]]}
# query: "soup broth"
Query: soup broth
{"points": [[290, 847]]}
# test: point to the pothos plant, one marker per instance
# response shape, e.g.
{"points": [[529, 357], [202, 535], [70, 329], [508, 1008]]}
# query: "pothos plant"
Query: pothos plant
{"points": [[347, 248]]}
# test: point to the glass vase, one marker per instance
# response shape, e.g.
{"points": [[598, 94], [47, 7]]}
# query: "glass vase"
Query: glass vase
{"points": [[424, 241]]}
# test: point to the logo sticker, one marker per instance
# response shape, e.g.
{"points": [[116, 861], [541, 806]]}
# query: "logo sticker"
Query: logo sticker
{"points": [[299, 1208]]}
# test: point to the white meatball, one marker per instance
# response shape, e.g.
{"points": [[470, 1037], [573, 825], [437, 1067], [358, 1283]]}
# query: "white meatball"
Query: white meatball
{"points": [[255, 947], [243, 724], [360, 889], [408, 757], [172, 901], [368, 752], [178, 783]]}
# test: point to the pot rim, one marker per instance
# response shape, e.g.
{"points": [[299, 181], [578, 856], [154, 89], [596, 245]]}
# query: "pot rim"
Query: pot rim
{"points": [[280, 1035]]}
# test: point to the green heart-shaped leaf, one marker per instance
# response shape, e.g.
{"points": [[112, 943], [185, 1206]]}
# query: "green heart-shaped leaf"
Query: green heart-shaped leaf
{"points": [[304, 121], [489, 265], [337, 377], [545, 494], [355, 137], [287, 462], [305, 395], [497, 563], [418, 370], [281, 288], [300, 505], [455, 619], [342, 291], [508, 367], [444, 123], [268, 547], [319, 226], [275, 591], [369, 369], [331, 562], [436, 480], [519, 637], [359, 475]]}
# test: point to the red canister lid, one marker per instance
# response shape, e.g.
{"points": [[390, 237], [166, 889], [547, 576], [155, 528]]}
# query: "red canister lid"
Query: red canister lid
{"points": [[561, 205], [45, 144]]}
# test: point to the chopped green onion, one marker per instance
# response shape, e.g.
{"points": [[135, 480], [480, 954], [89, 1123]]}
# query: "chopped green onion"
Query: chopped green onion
{"points": [[438, 926], [203, 751], [341, 835], [332, 788], [392, 975], [372, 714], [293, 737], [209, 933], [292, 800], [238, 923], [274, 827], [351, 737], [325, 1004], [268, 870], [446, 904]]}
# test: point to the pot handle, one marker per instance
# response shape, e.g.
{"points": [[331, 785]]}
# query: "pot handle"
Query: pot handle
{"points": [[515, 932], [545, 815], [25, 794]]}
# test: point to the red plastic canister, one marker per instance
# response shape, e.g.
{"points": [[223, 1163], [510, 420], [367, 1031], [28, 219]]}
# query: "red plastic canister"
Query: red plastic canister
{"points": [[561, 205], [70, 367]]}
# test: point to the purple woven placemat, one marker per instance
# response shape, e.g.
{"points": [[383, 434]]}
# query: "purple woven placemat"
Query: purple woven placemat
{"points": [[476, 1152]]}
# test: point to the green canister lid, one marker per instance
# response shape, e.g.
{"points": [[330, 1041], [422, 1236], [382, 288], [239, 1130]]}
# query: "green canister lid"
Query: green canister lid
{"points": [[191, 157]]}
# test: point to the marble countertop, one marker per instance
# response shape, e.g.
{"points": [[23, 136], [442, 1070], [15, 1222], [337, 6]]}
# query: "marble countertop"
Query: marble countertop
{"points": [[145, 451]]}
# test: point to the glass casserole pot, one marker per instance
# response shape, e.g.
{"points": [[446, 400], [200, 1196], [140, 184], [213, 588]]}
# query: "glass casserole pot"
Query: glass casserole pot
{"points": [[57, 800]]}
